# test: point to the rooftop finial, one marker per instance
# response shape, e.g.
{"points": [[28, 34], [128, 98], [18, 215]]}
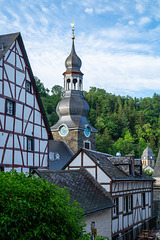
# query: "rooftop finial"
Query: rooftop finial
{"points": [[72, 24]]}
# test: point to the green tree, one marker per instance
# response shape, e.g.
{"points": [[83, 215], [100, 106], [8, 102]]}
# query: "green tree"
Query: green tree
{"points": [[33, 208]]}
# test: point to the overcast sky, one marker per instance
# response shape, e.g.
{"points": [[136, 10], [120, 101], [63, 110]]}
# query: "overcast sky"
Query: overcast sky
{"points": [[118, 41]]}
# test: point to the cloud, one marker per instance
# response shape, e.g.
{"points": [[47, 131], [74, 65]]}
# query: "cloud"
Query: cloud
{"points": [[89, 10], [144, 20], [131, 22], [103, 9]]}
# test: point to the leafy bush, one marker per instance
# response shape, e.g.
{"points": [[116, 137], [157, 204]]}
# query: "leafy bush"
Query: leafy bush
{"points": [[88, 237], [32, 208]]}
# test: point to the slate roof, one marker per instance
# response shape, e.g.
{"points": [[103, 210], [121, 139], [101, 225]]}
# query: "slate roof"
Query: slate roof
{"points": [[106, 163], [82, 187], [5, 43], [64, 152]]}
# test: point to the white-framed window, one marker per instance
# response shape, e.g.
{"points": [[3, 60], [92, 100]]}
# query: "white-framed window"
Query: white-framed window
{"points": [[115, 208], [10, 107], [28, 86], [30, 144], [87, 144], [130, 203], [143, 200], [127, 204]]}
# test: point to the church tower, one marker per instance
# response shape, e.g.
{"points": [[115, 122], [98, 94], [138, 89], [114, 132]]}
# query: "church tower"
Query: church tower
{"points": [[73, 127]]}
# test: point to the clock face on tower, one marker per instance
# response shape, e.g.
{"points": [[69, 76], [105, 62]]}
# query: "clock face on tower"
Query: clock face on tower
{"points": [[87, 131], [63, 130]]}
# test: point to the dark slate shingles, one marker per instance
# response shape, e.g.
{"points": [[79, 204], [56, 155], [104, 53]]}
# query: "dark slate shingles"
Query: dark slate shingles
{"points": [[114, 172], [82, 187]]}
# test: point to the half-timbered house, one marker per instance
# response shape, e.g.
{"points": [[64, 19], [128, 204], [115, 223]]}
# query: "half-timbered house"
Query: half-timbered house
{"points": [[131, 189], [24, 130]]}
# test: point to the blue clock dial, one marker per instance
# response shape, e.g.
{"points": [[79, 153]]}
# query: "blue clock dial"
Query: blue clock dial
{"points": [[87, 131], [63, 130]]}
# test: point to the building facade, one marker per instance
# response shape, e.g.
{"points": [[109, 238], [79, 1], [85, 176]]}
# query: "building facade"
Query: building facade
{"points": [[93, 199], [131, 189], [148, 158], [24, 130]]}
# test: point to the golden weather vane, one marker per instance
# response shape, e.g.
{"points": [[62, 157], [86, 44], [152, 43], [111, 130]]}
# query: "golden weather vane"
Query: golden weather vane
{"points": [[72, 24]]}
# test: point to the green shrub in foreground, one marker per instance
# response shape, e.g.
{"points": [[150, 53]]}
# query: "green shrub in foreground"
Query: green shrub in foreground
{"points": [[32, 208]]}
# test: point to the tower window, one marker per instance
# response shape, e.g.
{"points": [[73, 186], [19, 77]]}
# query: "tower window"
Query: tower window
{"points": [[80, 84], [68, 84], [10, 107], [87, 145], [74, 83]]}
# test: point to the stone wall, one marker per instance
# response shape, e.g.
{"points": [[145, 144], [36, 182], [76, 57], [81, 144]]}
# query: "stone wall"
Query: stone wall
{"points": [[75, 139]]}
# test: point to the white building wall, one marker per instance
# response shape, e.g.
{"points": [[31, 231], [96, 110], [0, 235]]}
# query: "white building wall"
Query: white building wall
{"points": [[102, 221], [27, 119]]}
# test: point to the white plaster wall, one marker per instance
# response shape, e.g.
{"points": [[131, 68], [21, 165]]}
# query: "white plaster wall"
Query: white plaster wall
{"points": [[114, 225], [18, 126], [92, 171], [102, 221], [87, 161], [8, 157], [17, 158], [6, 89], [29, 99], [9, 123], [2, 105], [45, 161], [10, 73], [0, 86], [102, 177], [19, 109], [2, 121], [36, 160], [22, 96], [107, 187], [19, 77], [76, 161], [120, 222], [30, 159]]}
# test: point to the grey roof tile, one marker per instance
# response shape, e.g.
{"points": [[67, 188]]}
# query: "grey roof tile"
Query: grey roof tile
{"points": [[64, 152], [82, 187]]}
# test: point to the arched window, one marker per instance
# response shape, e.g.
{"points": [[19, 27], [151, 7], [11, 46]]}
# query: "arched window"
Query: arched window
{"points": [[80, 84], [74, 83], [68, 84]]}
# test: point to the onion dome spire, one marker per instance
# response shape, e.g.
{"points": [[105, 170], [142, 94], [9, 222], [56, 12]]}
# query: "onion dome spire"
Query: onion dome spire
{"points": [[73, 62]]}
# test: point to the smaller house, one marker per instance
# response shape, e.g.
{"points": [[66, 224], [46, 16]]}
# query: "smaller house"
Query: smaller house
{"points": [[130, 188], [148, 158], [93, 198]]}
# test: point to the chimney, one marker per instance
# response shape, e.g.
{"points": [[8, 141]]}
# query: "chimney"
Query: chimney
{"points": [[141, 167], [131, 164]]}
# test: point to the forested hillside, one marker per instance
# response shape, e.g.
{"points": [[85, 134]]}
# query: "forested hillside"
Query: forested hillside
{"points": [[125, 124]]}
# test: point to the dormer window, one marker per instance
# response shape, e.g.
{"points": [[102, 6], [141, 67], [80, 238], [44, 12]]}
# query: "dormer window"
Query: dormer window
{"points": [[28, 86], [10, 107]]}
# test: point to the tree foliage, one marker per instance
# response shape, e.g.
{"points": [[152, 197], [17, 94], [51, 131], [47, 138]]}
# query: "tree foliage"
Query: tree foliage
{"points": [[33, 208], [124, 124]]}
